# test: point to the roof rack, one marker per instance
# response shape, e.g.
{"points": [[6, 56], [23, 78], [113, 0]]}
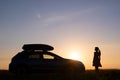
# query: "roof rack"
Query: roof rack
{"points": [[37, 47]]}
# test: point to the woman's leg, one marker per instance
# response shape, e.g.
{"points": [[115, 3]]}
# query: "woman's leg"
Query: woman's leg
{"points": [[96, 69]]}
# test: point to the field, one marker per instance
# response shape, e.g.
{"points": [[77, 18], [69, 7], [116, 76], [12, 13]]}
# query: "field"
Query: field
{"points": [[88, 75]]}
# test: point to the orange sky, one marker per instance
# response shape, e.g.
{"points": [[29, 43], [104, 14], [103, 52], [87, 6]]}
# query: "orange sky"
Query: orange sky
{"points": [[68, 25]]}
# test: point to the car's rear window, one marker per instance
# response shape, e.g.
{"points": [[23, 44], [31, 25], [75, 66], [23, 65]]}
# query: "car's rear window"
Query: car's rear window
{"points": [[34, 56]]}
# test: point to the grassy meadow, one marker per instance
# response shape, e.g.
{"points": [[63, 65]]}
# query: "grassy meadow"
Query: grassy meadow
{"points": [[109, 74]]}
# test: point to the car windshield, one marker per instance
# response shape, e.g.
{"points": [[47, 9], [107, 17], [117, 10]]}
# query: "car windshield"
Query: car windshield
{"points": [[50, 55], [47, 56]]}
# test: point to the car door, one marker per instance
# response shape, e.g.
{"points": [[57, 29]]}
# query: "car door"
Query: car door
{"points": [[34, 62], [50, 63]]}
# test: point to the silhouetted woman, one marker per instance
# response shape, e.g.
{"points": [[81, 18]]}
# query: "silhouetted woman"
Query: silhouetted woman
{"points": [[96, 59]]}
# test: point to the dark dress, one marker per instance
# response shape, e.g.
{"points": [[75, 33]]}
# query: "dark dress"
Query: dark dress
{"points": [[96, 59]]}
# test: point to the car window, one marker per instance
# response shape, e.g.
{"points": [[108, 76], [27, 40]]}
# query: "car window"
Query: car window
{"points": [[47, 56], [34, 56]]}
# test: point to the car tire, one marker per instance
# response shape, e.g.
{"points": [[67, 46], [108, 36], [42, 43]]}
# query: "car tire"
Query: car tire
{"points": [[73, 73], [69, 72], [21, 71]]}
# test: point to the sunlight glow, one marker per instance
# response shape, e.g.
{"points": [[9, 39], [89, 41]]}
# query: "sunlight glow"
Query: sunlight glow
{"points": [[75, 55]]}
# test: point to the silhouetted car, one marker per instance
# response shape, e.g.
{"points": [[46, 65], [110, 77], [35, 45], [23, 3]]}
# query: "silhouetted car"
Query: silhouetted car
{"points": [[38, 58]]}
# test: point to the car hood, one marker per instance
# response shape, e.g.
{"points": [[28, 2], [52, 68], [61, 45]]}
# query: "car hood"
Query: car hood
{"points": [[71, 61]]}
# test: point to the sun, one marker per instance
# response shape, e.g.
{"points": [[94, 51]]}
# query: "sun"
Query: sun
{"points": [[75, 55]]}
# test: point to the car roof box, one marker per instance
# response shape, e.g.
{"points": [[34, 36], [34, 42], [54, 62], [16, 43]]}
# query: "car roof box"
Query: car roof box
{"points": [[43, 47]]}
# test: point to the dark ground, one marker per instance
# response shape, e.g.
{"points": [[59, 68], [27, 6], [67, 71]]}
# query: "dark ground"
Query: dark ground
{"points": [[110, 74]]}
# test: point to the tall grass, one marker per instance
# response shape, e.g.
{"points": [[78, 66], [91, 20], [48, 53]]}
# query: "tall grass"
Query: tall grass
{"points": [[88, 75]]}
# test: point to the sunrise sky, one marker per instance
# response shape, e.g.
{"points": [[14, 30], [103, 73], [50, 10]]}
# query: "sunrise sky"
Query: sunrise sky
{"points": [[73, 27]]}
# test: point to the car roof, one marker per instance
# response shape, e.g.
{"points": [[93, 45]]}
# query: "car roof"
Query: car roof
{"points": [[38, 52]]}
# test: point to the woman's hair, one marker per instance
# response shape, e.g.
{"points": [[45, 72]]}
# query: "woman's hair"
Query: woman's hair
{"points": [[96, 48]]}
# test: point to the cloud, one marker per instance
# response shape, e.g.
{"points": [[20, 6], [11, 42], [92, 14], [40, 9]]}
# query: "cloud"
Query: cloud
{"points": [[69, 17], [38, 16], [55, 18]]}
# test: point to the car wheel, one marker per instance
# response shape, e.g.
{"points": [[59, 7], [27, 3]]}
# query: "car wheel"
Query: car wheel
{"points": [[73, 73], [70, 71], [21, 71]]}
